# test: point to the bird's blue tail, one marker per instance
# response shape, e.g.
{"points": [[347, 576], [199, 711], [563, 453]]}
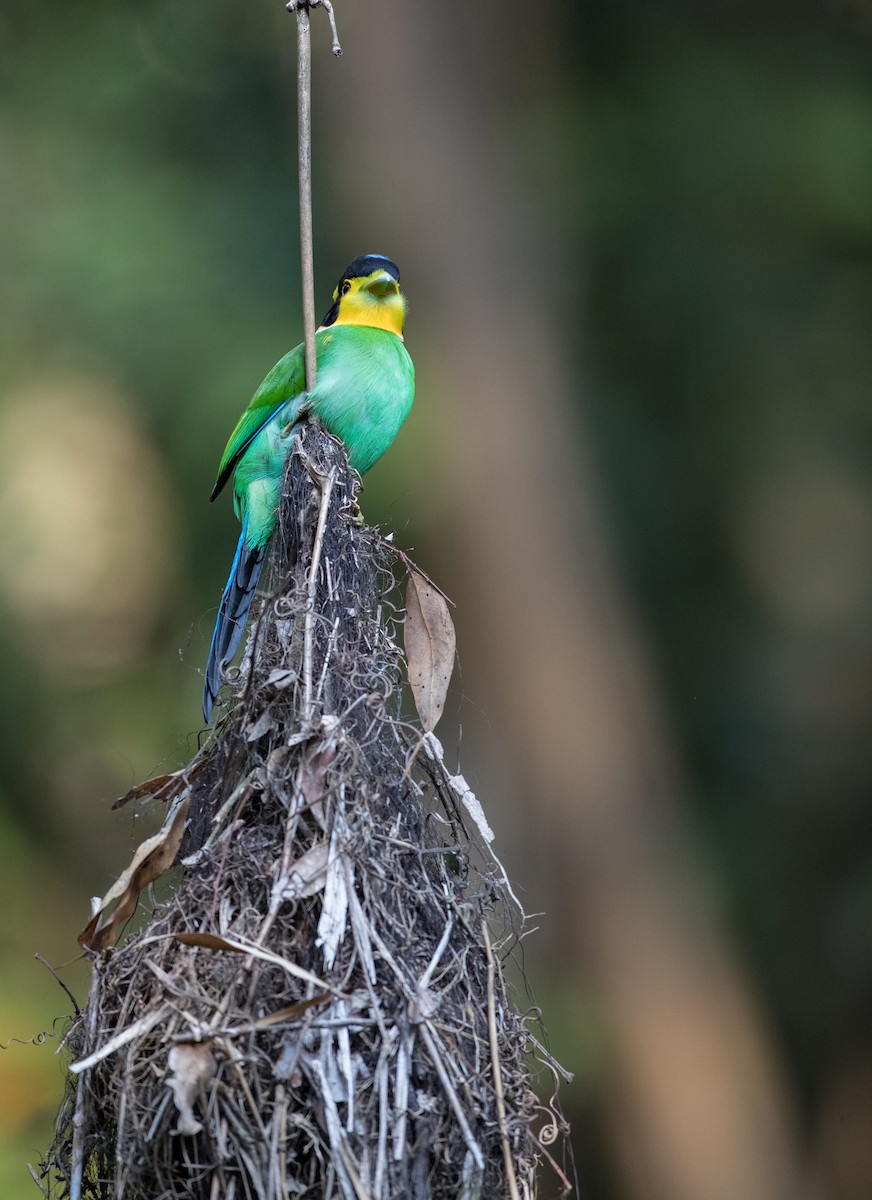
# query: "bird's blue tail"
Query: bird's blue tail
{"points": [[235, 603]]}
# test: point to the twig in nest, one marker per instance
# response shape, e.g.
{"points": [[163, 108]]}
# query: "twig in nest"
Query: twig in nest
{"points": [[39, 958], [79, 1119], [325, 485], [495, 1061], [450, 1092]]}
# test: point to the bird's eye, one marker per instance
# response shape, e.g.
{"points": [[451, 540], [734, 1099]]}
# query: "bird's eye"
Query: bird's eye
{"points": [[346, 288]]}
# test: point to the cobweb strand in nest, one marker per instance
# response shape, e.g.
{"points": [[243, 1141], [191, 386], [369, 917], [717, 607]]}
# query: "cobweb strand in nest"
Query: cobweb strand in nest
{"points": [[317, 1010]]}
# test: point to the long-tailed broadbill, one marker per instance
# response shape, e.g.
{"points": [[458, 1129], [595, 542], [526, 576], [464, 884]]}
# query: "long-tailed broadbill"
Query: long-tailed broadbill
{"points": [[364, 386]]}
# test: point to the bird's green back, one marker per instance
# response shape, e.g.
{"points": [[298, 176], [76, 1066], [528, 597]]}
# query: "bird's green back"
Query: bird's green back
{"points": [[285, 382]]}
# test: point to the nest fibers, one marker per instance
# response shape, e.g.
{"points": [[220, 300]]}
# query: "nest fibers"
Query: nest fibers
{"points": [[317, 1011]]}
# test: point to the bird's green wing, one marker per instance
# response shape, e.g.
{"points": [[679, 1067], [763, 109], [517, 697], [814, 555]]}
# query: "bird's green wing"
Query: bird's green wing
{"points": [[284, 387]]}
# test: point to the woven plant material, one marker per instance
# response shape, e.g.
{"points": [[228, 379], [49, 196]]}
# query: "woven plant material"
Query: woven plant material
{"points": [[316, 1010]]}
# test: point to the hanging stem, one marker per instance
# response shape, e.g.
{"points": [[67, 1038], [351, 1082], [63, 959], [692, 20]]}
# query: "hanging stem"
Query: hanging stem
{"points": [[304, 139], [304, 157]]}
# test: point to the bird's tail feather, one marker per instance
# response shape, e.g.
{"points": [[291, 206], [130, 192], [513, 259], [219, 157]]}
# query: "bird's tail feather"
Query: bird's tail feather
{"points": [[230, 625]]}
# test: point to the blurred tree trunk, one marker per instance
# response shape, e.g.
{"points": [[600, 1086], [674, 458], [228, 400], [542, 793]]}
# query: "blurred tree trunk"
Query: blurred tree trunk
{"points": [[447, 102]]}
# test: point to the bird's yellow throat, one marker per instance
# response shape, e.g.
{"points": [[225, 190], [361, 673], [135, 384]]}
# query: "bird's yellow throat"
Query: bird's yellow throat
{"points": [[384, 308]]}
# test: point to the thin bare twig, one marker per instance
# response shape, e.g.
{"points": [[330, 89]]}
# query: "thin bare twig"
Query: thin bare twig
{"points": [[453, 1099], [411, 565], [495, 1060], [79, 1118], [304, 160], [326, 486], [424, 981], [59, 982], [131, 1033]]}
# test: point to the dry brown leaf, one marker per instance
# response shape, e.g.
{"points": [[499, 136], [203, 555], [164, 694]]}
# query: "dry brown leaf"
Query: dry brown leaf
{"points": [[288, 1014], [155, 856], [430, 642], [161, 787], [192, 1066], [265, 723], [313, 781], [308, 875], [211, 941], [282, 678]]}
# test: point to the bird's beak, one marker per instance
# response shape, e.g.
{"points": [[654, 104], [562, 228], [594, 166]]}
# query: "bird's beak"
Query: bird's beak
{"points": [[382, 285]]}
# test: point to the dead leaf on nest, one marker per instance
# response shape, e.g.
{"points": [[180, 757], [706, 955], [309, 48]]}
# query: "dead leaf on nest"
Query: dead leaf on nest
{"points": [[430, 643], [265, 723], [155, 856], [313, 781], [211, 941], [192, 1066], [281, 678], [290, 1013], [423, 1005], [161, 787], [307, 875]]}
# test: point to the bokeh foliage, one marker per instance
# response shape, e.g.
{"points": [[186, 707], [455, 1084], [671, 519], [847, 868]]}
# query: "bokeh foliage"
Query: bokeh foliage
{"points": [[727, 173]]}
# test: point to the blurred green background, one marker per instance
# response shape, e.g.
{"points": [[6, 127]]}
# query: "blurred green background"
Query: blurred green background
{"points": [[637, 242]]}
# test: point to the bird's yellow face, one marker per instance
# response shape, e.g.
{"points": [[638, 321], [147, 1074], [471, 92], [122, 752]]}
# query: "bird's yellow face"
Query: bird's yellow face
{"points": [[374, 300]]}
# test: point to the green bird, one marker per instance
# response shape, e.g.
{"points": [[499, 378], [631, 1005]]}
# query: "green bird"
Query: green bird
{"points": [[365, 384]]}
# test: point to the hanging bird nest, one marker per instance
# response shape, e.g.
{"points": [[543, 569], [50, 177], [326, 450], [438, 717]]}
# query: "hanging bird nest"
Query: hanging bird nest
{"points": [[317, 1010]]}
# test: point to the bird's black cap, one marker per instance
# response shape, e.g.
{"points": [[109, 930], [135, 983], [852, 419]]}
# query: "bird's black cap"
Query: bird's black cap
{"points": [[366, 264]]}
